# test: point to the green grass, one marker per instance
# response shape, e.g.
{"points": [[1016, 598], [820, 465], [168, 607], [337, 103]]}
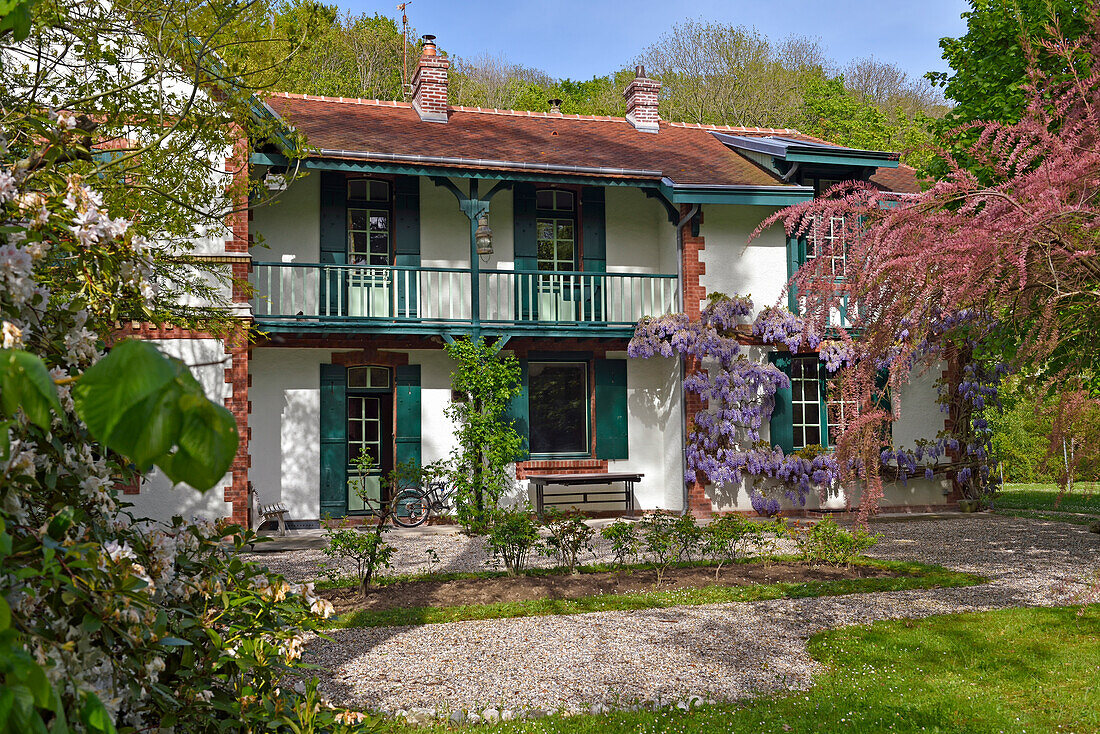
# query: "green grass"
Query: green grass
{"points": [[916, 576], [1085, 498], [1051, 516], [1011, 670]]}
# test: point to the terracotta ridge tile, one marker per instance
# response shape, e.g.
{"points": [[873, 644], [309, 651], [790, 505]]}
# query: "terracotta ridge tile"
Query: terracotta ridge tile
{"points": [[341, 100]]}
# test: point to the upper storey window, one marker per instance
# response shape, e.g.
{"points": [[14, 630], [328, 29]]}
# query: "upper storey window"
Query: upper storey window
{"points": [[370, 208], [556, 225]]}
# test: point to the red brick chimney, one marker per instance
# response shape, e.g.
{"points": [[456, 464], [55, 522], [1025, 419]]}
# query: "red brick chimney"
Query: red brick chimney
{"points": [[641, 102], [430, 84]]}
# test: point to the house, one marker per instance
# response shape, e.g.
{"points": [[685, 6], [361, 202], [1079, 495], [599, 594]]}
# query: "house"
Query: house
{"points": [[420, 223]]}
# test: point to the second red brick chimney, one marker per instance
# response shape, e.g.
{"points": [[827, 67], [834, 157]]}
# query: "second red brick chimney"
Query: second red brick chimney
{"points": [[641, 102], [430, 84]]}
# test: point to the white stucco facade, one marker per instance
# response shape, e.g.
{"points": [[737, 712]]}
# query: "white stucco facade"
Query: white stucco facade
{"points": [[157, 497]]}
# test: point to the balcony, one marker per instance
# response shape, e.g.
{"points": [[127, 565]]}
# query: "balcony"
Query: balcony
{"points": [[415, 299]]}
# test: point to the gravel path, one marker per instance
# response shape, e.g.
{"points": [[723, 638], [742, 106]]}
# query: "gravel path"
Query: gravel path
{"points": [[722, 651]]}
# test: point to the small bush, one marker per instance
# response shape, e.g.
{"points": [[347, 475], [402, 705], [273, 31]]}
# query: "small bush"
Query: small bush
{"points": [[661, 541], [368, 549], [722, 539], [826, 542], [569, 535], [625, 543], [513, 534], [689, 536]]}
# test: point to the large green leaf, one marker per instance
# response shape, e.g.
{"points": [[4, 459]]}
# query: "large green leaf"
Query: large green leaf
{"points": [[112, 394], [151, 409], [207, 443], [26, 383]]}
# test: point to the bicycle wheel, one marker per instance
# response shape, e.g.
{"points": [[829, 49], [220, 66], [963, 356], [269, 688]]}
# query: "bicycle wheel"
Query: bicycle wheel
{"points": [[410, 508]]}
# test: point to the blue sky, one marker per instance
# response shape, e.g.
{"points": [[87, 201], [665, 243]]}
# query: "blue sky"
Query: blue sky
{"points": [[582, 38]]}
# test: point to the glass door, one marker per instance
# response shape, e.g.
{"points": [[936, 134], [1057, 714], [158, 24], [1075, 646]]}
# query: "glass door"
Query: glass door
{"points": [[370, 432]]}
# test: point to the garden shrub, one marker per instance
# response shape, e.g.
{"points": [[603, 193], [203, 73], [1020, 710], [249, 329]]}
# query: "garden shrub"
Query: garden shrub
{"points": [[569, 535], [513, 535], [624, 539], [826, 542], [689, 535], [722, 539], [367, 549], [110, 622], [661, 540]]}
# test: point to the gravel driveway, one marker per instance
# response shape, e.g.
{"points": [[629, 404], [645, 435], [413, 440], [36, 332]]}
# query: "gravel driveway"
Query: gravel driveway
{"points": [[723, 651]]}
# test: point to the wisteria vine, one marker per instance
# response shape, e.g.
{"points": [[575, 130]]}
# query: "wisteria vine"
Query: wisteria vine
{"points": [[738, 393]]}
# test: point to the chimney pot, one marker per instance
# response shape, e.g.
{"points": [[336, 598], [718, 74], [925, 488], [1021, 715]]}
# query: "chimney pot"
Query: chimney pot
{"points": [[429, 83], [555, 107]]}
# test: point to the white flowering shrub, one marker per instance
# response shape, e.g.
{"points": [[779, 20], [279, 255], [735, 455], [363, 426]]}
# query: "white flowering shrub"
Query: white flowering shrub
{"points": [[110, 623]]}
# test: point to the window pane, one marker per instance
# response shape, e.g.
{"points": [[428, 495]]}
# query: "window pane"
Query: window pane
{"points": [[379, 191], [355, 431], [379, 243], [360, 242], [379, 377], [545, 229], [813, 435], [565, 255], [558, 407], [357, 377], [564, 201], [358, 219], [355, 408], [565, 230], [810, 390], [357, 189], [544, 199], [797, 418]]}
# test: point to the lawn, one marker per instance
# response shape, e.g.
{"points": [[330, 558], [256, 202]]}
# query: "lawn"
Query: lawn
{"points": [[1085, 498], [1011, 670], [902, 575]]}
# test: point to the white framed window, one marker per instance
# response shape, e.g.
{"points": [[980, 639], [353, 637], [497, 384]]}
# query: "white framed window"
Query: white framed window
{"points": [[806, 401], [831, 238], [369, 206]]}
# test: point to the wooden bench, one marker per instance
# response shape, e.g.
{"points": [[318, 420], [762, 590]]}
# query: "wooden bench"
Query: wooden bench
{"points": [[277, 512], [541, 481]]}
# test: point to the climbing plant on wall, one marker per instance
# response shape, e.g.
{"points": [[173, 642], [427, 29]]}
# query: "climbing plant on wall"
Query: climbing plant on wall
{"points": [[482, 385]]}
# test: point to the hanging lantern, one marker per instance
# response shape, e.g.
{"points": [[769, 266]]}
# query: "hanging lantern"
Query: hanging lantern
{"points": [[483, 237]]}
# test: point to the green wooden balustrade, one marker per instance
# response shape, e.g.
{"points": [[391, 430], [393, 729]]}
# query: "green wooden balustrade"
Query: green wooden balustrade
{"points": [[308, 294]]}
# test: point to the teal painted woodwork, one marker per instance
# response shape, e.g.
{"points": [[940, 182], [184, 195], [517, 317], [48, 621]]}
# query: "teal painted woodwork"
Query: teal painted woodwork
{"points": [[612, 440], [407, 433], [594, 244], [334, 441], [334, 239], [518, 411], [781, 426], [406, 239], [525, 248]]}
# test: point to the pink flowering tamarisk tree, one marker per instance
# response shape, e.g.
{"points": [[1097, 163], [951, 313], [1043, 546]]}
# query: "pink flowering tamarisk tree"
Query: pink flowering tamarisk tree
{"points": [[973, 271]]}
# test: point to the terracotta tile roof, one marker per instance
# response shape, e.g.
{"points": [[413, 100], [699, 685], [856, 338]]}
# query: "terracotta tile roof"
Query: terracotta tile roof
{"points": [[902, 179], [685, 155], [685, 152]]}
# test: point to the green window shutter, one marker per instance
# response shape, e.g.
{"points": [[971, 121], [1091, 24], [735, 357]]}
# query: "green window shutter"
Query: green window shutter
{"points": [[334, 218], [594, 228], [525, 247], [407, 431], [334, 240], [612, 440], [796, 255], [518, 411], [782, 428], [334, 441], [594, 239], [406, 239]]}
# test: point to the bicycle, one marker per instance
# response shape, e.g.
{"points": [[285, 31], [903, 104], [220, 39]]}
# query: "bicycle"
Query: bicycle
{"points": [[413, 506]]}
